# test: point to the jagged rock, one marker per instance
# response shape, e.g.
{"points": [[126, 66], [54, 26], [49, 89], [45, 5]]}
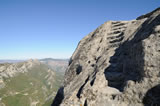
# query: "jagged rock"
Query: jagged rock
{"points": [[118, 64]]}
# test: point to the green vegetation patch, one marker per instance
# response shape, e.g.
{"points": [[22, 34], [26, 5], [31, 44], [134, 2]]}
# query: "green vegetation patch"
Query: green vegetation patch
{"points": [[31, 87]]}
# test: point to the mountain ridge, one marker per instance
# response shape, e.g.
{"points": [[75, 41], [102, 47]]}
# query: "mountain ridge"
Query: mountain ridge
{"points": [[28, 83]]}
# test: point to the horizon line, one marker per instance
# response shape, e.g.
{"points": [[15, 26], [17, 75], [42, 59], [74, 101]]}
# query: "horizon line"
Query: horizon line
{"points": [[35, 58]]}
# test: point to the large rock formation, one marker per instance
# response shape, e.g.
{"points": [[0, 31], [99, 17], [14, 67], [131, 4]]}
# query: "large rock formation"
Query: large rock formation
{"points": [[118, 64]]}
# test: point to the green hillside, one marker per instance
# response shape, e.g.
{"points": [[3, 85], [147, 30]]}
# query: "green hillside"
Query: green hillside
{"points": [[37, 87]]}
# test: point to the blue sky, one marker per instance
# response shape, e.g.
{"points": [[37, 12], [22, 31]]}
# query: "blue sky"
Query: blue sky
{"points": [[53, 28]]}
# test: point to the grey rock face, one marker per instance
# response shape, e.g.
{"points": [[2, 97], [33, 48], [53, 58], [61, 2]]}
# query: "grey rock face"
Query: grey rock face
{"points": [[118, 64]]}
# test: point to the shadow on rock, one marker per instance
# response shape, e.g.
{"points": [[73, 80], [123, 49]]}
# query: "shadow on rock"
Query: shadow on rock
{"points": [[59, 97], [128, 61], [152, 97]]}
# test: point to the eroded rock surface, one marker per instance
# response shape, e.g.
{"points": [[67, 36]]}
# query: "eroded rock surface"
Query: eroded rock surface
{"points": [[118, 64]]}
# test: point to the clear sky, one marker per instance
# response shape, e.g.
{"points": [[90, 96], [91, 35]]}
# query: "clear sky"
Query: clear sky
{"points": [[53, 28]]}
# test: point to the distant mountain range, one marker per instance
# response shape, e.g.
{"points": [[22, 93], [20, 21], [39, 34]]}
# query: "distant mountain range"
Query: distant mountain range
{"points": [[11, 61], [58, 65], [18, 60], [47, 59]]}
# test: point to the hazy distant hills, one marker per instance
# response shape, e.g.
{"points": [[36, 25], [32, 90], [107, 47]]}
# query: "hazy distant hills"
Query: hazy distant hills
{"points": [[47, 59], [11, 61], [28, 83], [58, 65]]}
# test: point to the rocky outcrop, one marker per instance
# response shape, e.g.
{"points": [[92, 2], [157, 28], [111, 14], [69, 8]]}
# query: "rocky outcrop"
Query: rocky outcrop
{"points": [[118, 64]]}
